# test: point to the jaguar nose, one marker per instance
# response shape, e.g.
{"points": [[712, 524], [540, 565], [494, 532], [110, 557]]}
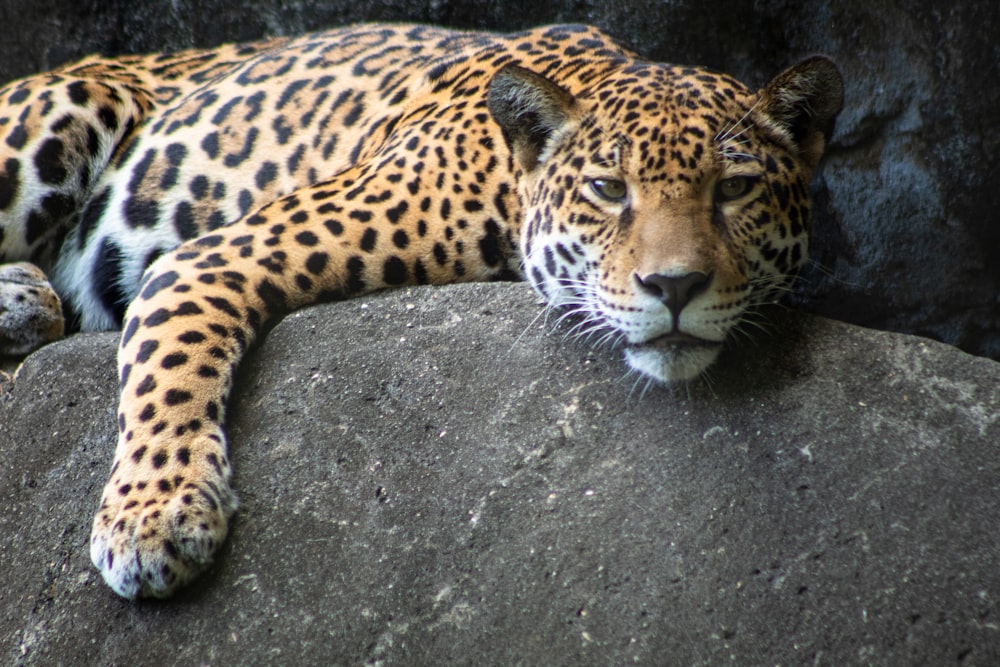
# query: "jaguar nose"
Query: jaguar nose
{"points": [[675, 291]]}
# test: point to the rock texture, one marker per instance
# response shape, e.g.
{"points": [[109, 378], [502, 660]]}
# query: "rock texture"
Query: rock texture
{"points": [[428, 477], [905, 233]]}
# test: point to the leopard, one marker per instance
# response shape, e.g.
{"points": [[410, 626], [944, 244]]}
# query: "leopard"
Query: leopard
{"points": [[193, 199]]}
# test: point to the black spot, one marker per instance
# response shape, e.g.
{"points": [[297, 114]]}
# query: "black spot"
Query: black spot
{"points": [[177, 396], [133, 326], [550, 261], [782, 195], [160, 459], [440, 254], [214, 460], [274, 298], [210, 144], [368, 239], [199, 187], [188, 308], [334, 227], [223, 304], [303, 282], [141, 212], [108, 118], [267, 173], [106, 275], [355, 274], [19, 95], [173, 360], [184, 221], [353, 115], [400, 239], [140, 170], [184, 456], [17, 138], [317, 262], [396, 212], [436, 72], [489, 245], [420, 273], [307, 238], [91, 215], [159, 283], [210, 241], [146, 415], [538, 280], [274, 263], [78, 92], [157, 317], [236, 159], [48, 162], [191, 337], [394, 271], [212, 261], [206, 371], [9, 182], [147, 385], [146, 350]]}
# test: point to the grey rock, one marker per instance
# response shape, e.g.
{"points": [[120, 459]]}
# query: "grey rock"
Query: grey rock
{"points": [[430, 477], [905, 233]]}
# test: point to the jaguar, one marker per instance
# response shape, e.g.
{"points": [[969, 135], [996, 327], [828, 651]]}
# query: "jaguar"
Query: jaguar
{"points": [[192, 199]]}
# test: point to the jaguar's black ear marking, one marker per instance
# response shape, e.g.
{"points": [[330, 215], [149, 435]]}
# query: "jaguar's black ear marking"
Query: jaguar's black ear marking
{"points": [[801, 105], [530, 110]]}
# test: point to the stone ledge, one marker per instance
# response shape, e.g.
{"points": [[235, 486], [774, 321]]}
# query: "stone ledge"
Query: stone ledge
{"points": [[426, 477]]}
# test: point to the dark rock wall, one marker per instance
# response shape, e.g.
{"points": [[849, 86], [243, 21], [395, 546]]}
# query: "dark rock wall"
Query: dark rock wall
{"points": [[906, 231]]}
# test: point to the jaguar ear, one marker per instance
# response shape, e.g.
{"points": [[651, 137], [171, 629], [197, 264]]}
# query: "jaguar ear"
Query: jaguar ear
{"points": [[801, 105], [530, 110]]}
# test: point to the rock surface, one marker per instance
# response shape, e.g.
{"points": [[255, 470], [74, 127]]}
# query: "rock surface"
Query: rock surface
{"points": [[905, 224], [465, 488]]}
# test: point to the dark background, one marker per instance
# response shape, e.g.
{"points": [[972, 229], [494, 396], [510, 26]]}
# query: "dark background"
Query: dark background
{"points": [[906, 231]]}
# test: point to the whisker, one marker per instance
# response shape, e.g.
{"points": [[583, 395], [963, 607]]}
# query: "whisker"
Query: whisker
{"points": [[541, 313]]}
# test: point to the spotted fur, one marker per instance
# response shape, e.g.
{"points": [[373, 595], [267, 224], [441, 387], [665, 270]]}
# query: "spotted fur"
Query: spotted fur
{"points": [[194, 198]]}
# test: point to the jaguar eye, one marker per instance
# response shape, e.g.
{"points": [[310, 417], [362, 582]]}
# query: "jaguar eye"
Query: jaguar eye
{"points": [[609, 188], [729, 189]]}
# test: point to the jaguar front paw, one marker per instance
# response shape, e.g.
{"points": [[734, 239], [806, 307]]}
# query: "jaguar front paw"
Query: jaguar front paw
{"points": [[153, 535]]}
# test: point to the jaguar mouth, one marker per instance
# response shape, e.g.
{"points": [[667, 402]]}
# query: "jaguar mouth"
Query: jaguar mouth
{"points": [[676, 340], [674, 357]]}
